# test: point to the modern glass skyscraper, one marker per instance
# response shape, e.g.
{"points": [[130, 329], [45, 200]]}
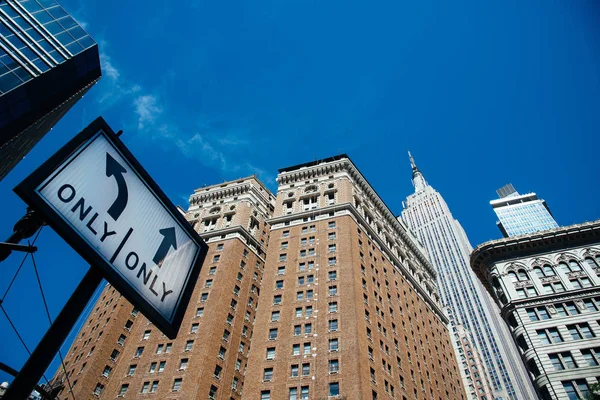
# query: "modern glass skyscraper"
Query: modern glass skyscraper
{"points": [[521, 214], [427, 214], [47, 63]]}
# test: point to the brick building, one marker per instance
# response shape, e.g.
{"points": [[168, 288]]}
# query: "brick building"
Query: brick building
{"points": [[349, 307]]}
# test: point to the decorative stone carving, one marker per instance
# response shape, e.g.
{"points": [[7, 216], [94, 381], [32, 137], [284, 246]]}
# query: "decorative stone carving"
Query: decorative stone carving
{"points": [[551, 309]]}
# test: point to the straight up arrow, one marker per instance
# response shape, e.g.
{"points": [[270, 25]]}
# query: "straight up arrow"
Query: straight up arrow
{"points": [[168, 241]]}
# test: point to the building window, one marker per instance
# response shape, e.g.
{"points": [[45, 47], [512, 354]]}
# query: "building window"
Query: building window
{"points": [[334, 389], [582, 282], [306, 348], [123, 389], [273, 334], [282, 257], [562, 361], [333, 290], [176, 385], [285, 234], [591, 356], [217, 371], [309, 294], [131, 370], [334, 366], [299, 295], [538, 313], [294, 370], [154, 387], [333, 307], [183, 364], [331, 248], [333, 325], [580, 331], [279, 284], [212, 270], [304, 392], [199, 311], [188, 345], [332, 261], [331, 236], [280, 270], [549, 335], [204, 297], [220, 246], [145, 387], [152, 368], [307, 329], [265, 395], [226, 334], [270, 353], [293, 394], [275, 316], [306, 369], [554, 287], [146, 335], [309, 310], [212, 393], [277, 299], [544, 271], [576, 389], [566, 309], [216, 258], [332, 275], [331, 224], [297, 330], [222, 351], [194, 328], [333, 344], [284, 245], [106, 371], [139, 351], [98, 389], [268, 374], [591, 305], [296, 349], [161, 366]]}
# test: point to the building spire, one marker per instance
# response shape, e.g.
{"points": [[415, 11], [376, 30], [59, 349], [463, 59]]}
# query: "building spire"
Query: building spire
{"points": [[417, 177]]}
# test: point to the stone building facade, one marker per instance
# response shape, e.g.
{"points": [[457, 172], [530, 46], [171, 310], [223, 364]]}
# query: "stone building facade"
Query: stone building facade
{"points": [[317, 292], [548, 287]]}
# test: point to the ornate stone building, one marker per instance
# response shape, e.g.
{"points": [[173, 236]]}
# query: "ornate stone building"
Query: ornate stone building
{"points": [[548, 287]]}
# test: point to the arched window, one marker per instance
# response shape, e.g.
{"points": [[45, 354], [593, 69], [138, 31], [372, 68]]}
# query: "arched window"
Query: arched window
{"points": [[548, 270], [539, 272], [565, 268], [513, 276], [574, 265], [591, 263], [523, 275]]}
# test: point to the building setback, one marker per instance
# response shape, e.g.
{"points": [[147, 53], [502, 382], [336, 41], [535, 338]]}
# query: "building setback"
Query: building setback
{"points": [[500, 375], [548, 288], [318, 292], [47, 63]]}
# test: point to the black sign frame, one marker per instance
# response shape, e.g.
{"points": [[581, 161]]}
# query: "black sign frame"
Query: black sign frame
{"points": [[26, 191]]}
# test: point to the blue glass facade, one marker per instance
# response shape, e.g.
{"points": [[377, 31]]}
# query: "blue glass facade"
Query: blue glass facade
{"points": [[524, 218], [47, 62]]}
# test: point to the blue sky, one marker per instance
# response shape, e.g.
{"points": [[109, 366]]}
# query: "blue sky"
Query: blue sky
{"points": [[482, 93]]}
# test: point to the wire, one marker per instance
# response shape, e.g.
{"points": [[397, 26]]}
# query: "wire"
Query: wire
{"points": [[21, 265], [62, 361], [19, 336]]}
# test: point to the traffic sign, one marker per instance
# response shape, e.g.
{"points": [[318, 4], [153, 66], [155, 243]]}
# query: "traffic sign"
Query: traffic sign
{"points": [[96, 195]]}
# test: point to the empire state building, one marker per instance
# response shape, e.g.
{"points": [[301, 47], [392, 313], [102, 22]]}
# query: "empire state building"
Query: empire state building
{"points": [[469, 306]]}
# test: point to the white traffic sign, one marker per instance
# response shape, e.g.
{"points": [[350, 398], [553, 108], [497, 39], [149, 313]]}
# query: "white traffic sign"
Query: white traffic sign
{"points": [[101, 197]]}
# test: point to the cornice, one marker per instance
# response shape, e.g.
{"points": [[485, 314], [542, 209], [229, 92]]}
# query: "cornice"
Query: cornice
{"points": [[533, 244], [346, 165], [206, 236]]}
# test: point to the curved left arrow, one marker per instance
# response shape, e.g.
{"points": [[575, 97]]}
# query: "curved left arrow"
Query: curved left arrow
{"points": [[113, 168]]}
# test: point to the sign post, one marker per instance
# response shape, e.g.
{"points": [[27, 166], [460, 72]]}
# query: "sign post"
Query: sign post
{"points": [[100, 200]]}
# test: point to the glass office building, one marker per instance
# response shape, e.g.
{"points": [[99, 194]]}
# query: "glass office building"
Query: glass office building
{"points": [[468, 303], [47, 63], [521, 214]]}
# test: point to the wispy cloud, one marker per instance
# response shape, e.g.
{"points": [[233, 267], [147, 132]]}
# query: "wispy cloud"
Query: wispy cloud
{"points": [[147, 109], [224, 150]]}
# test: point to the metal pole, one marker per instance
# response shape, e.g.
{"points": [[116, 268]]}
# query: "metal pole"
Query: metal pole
{"points": [[46, 350]]}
